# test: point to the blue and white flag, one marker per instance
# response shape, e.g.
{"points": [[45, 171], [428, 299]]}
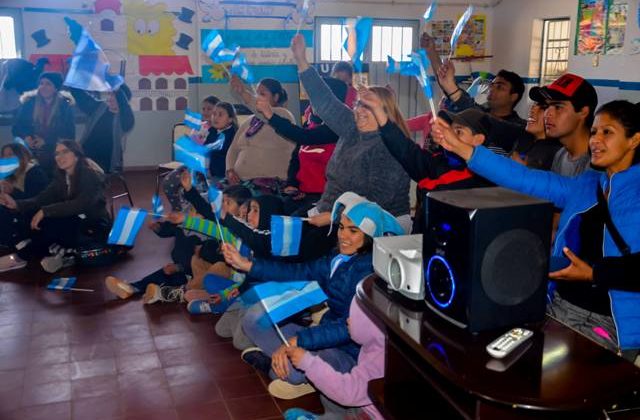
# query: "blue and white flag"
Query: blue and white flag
{"points": [[191, 154], [405, 68], [62, 283], [214, 196], [284, 299], [422, 63], [430, 12], [474, 89], [226, 55], [156, 206], [286, 235], [213, 44], [457, 31], [89, 69], [8, 166], [357, 40], [192, 119], [20, 141], [240, 68], [126, 226]]}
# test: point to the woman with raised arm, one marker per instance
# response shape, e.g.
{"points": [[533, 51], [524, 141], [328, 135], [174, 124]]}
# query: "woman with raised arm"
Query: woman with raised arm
{"points": [[360, 163]]}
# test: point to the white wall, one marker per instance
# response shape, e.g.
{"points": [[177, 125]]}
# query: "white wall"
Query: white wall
{"points": [[512, 34]]}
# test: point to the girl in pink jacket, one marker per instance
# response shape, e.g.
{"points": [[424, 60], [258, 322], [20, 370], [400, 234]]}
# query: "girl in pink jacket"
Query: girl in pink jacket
{"points": [[346, 389]]}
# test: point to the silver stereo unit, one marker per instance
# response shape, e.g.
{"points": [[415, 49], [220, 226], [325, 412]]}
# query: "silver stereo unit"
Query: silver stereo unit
{"points": [[398, 261]]}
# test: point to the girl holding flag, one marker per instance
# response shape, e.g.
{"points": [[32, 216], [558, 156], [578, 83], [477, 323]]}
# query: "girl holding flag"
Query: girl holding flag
{"points": [[337, 274], [71, 211]]}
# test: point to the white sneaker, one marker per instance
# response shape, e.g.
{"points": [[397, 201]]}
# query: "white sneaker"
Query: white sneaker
{"points": [[286, 391], [11, 262], [118, 287], [53, 263]]}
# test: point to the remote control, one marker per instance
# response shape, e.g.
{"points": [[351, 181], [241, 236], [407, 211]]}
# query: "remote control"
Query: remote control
{"points": [[507, 342]]}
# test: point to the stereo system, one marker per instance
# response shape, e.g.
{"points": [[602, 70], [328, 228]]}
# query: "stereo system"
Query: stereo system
{"points": [[486, 257]]}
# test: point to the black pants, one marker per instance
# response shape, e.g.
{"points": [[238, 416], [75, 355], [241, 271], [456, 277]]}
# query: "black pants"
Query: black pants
{"points": [[14, 227], [68, 232], [161, 279]]}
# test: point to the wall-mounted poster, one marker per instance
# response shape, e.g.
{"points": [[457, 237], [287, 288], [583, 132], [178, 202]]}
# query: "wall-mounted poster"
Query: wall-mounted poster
{"points": [[592, 16], [616, 27], [471, 42]]}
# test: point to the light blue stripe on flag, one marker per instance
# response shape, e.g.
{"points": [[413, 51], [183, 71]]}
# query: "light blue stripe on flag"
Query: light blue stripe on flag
{"points": [[212, 44], [156, 206], [457, 31], [192, 119], [21, 142], [214, 197], [126, 226], [192, 155], [62, 283], [291, 302], [430, 12], [286, 235], [267, 38], [8, 166]]}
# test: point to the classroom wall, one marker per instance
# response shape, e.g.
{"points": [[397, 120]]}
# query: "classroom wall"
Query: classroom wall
{"points": [[614, 76]]}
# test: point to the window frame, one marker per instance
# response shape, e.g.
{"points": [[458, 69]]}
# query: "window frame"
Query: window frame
{"points": [[544, 59], [18, 29], [368, 53]]}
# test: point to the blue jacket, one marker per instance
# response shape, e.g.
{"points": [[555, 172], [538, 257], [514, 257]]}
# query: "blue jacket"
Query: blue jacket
{"points": [[339, 288], [575, 196]]}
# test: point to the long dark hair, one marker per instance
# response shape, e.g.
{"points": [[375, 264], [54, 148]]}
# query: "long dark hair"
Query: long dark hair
{"points": [[231, 112], [626, 113], [275, 88], [82, 166]]}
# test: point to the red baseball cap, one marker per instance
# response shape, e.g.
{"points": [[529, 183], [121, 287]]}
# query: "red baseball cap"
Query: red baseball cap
{"points": [[568, 87]]}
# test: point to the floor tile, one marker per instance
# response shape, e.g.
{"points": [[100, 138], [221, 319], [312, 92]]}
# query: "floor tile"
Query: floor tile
{"points": [[98, 408], [179, 356], [11, 379], [129, 381], [47, 373], [195, 393], [55, 411], [216, 410], [187, 374], [257, 407], [50, 355], [95, 351], [90, 368], [241, 387], [143, 400], [134, 362], [96, 386], [46, 393]]}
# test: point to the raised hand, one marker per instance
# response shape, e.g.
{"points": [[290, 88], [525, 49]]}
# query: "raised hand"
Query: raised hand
{"points": [[264, 107], [234, 259], [299, 49]]}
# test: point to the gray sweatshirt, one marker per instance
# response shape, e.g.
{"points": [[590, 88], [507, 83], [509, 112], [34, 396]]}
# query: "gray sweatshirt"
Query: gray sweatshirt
{"points": [[360, 163]]}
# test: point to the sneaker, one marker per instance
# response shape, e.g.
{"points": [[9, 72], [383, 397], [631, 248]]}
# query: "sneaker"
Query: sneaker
{"points": [[118, 287], [197, 307], [11, 262], [298, 414], [155, 293], [286, 391], [151, 294], [255, 357], [53, 263]]}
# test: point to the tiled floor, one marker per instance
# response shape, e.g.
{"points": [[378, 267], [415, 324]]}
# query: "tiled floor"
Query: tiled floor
{"points": [[86, 355]]}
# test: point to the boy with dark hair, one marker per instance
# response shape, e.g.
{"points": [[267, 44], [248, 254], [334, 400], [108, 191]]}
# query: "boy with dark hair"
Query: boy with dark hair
{"points": [[343, 70], [570, 103]]}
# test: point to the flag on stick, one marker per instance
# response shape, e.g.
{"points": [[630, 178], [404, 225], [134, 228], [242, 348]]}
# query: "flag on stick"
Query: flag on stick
{"points": [[286, 235], [8, 166], [357, 40], [65, 284], [457, 31], [126, 226]]}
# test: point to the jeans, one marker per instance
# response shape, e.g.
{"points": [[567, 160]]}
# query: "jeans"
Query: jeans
{"points": [[264, 335]]}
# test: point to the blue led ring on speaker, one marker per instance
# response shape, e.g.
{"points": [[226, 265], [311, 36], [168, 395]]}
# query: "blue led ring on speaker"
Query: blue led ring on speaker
{"points": [[439, 259]]}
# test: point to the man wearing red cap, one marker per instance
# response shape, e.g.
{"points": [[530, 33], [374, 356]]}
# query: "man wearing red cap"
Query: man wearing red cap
{"points": [[570, 103]]}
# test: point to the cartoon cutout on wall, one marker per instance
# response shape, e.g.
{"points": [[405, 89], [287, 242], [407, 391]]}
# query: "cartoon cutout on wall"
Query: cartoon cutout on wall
{"points": [[211, 10], [150, 28]]}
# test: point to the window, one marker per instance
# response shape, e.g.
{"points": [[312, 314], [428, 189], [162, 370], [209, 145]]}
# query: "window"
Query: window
{"points": [[388, 37], [10, 30], [555, 49]]}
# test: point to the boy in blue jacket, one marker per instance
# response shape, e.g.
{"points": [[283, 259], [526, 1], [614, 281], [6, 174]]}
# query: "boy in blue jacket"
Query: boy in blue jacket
{"points": [[338, 274]]}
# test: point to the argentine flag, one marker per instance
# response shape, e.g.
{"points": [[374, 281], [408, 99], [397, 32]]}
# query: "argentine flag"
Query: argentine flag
{"points": [[126, 226], [156, 206], [430, 12], [286, 235], [240, 68], [192, 119], [282, 300], [192, 155], [89, 69], [62, 283], [8, 166], [357, 40], [457, 31], [214, 196], [213, 44]]}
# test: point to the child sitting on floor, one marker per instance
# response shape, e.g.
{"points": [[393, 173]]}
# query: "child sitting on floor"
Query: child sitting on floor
{"points": [[349, 390], [338, 274]]}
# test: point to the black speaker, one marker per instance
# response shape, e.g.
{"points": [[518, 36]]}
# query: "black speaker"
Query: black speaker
{"points": [[486, 256]]}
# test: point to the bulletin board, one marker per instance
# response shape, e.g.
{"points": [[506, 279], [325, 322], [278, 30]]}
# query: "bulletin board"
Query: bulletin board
{"points": [[472, 41]]}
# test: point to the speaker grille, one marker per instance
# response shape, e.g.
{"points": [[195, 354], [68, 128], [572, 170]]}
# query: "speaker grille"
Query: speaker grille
{"points": [[512, 266]]}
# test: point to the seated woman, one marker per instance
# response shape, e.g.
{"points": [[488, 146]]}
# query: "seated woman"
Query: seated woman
{"points": [[70, 212], [337, 273], [587, 295], [44, 118], [315, 145], [25, 183], [257, 150], [360, 163]]}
